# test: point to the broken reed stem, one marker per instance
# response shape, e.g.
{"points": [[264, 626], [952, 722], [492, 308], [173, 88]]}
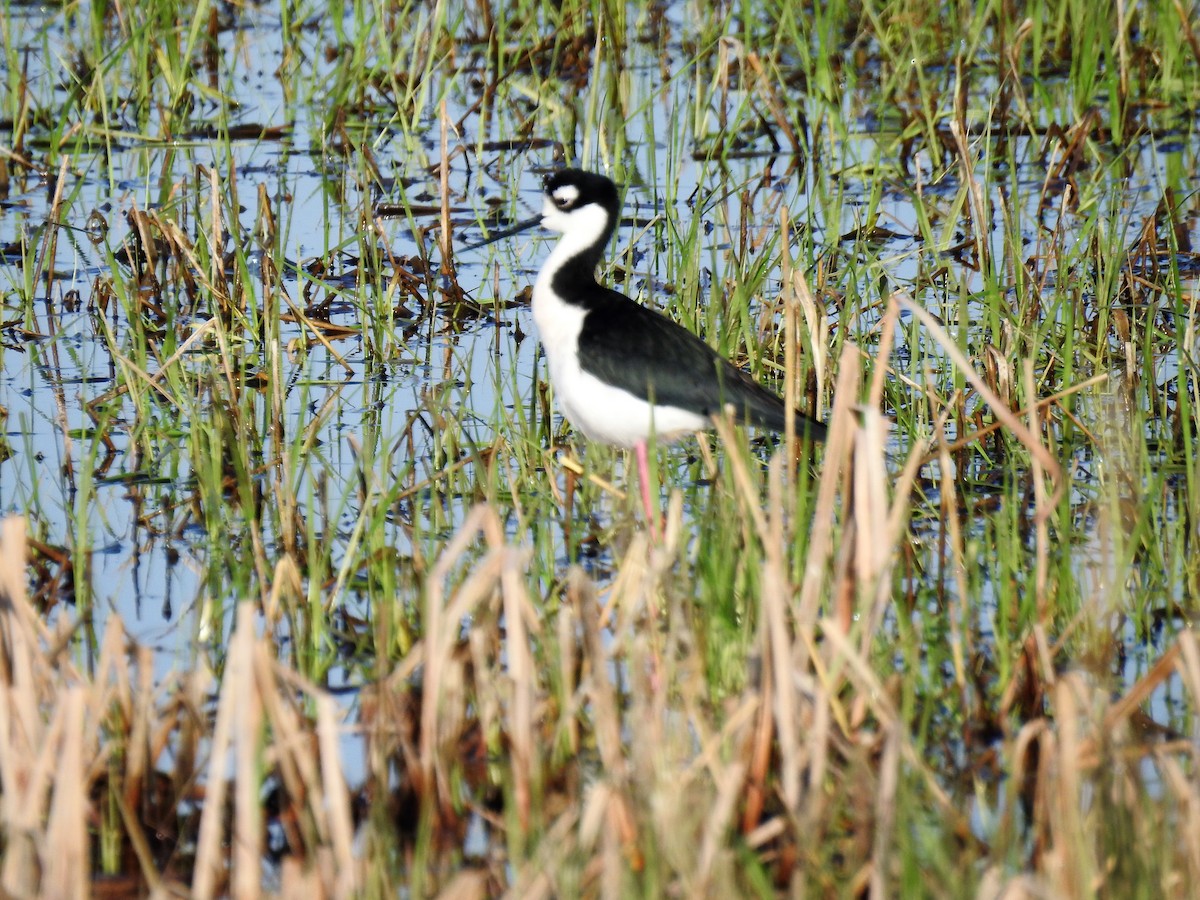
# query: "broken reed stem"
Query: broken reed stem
{"points": [[445, 235], [883, 356], [67, 859], [716, 825], [956, 604], [49, 249], [216, 251], [791, 343], [976, 436], [247, 715], [517, 619], [600, 689], [776, 594], [209, 871], [998, 407], [885, 812], [22, 732], [336, 807], [838, 448], [1041, 512], [977, 202], [873, 551], [879, 527], [746, 489], [441, 622]]}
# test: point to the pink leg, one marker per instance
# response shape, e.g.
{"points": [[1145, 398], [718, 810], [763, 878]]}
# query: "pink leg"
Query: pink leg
{"points": [[644, 479]]}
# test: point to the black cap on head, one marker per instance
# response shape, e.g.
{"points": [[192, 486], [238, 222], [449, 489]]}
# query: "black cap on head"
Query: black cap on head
{"points": [[589, 187]]}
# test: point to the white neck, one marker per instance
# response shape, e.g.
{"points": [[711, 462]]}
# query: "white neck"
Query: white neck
{"points": [[580, 228]]}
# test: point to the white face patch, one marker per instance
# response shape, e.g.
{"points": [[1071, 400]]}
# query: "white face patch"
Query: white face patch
{"points": [[583, 226], [565, 196]]}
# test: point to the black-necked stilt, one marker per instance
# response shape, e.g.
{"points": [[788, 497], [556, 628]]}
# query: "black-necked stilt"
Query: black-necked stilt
{"points": [[622, 372]]}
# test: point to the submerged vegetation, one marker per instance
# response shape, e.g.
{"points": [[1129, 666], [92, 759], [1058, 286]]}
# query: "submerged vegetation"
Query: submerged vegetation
{"points": [[291, 595]]}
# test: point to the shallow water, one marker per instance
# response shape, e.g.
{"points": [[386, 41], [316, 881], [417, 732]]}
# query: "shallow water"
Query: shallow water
{"points": [[155, 574]]}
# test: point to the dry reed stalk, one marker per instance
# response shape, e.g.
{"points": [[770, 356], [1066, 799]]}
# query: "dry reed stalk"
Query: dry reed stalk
{"points": [[299, 880], [445, 700], [179, 244], [609, 797], [627, 578], [152, 381], [838, 451], [281, 487], [335, 794], [956, 605], [111, 692], [317, 330], [21, 627], [611, 869], [49, 738], [470, 884], [869, 495], [817, 738], [139, 763], [764, 84], [21, 727], [519, 621], [49, 248], [567, 624], [254, 700], [747, 491], [966, 171], [999, 409], [445, 233], [533, 881], [1189, 664], [791, 342], [191, 698], [440, 634], [1069, 854], [324, 797], [798, 298], [1184, 789], [885, 810], [883, 355], [759, 751], [217, 236], [716, 827], [66, 862], [209, 871], [292, 749], [1164, 667], [888, 531], [737, 727], [582, 596], [1189, 32], [1041, 512], [642, 644], [1185, 786], [842, 656], [775, 596], [246, 844]]}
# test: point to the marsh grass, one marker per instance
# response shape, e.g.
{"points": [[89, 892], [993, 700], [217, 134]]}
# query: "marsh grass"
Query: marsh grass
{"points": [[949, 653]]}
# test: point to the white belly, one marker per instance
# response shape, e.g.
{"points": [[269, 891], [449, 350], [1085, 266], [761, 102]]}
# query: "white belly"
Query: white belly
{"points": [[599, 410]]}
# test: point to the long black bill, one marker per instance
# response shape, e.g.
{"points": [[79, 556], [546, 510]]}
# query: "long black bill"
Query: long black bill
{"points": [[507, 232]]}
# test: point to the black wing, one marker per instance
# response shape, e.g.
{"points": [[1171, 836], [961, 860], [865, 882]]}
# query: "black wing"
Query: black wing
{"points": [[648, 355]]}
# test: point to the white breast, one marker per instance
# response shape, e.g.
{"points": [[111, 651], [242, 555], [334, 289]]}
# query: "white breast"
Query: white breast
{"points": [[602, 412]]}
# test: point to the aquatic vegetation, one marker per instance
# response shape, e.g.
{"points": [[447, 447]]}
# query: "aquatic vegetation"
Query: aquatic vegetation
{"points": [[290, 596]]}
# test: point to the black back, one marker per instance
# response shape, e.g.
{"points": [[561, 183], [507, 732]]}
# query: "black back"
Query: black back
{"points": [[642, 351]]}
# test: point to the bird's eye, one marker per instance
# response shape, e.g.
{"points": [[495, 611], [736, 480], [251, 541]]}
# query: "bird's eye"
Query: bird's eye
{"points": [[564, 197]]}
